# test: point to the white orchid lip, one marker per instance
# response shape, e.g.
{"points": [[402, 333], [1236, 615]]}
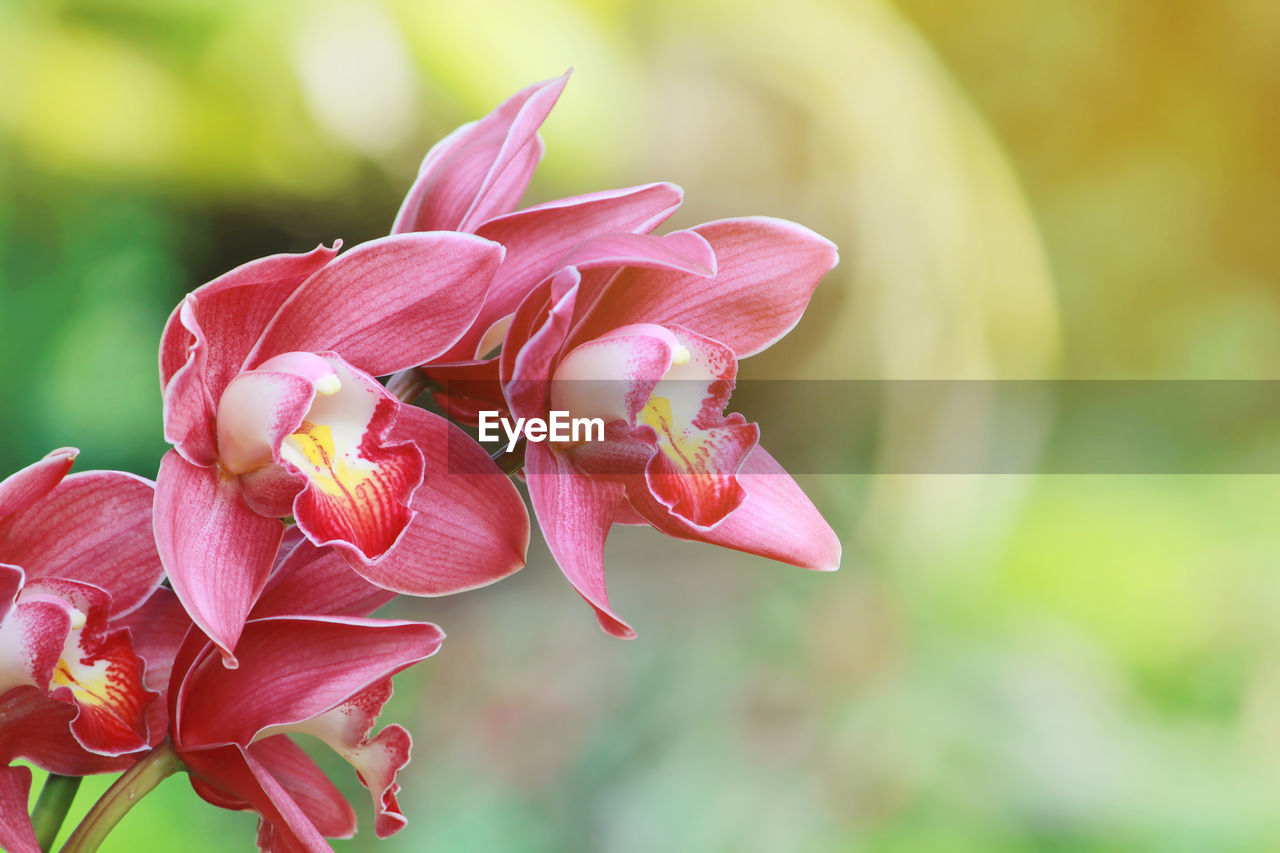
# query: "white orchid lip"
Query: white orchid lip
{"points": [[262, 405]]}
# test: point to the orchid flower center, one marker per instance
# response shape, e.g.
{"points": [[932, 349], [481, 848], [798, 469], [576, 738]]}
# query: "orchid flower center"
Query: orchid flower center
{"points": [[252, 404]]}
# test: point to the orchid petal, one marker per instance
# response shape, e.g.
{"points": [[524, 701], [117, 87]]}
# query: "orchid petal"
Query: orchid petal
{"points": [[37, 728], [767, 270], [481, 169], [471, 527], [11, 580], [231, 312], [291, 670], [57, 640], [683, 251], [189, 406], [16, 834], [360, 480], [256, 412], [538, 238], [307, 785], [271, 490], [93, 527], [694, 474], [27, 486], [208, 337], [216, 550], [229, 776], [537, 335], [700, 450], [32, 640], [575, 513], [378, 760], [776, 520], [97, 669], [387, 304], [318, 581], [158, 629]]}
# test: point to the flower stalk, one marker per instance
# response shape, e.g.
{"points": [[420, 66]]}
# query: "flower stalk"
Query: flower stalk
{"points": [[135, 783], [51, 808]]}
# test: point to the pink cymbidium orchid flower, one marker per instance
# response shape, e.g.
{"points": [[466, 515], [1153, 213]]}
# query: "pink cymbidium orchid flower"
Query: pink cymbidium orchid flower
{"points": [[272, 409], [471, 181], [310, 663], [77, 561], [645, 333]]}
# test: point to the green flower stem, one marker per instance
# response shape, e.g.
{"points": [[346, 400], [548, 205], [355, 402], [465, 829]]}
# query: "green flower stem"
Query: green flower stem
{"points": [[136, 782], [51, 809]]}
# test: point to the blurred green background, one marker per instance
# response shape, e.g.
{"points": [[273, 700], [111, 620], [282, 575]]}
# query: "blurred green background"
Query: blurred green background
{"points": [[1060, 188]]}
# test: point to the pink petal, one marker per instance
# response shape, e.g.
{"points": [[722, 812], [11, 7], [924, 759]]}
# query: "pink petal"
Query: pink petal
{"points": [[378, 760], [575, 513], [231, 777], [318, 581], [11, 580], [38, 728], [188, 402], [538, 238], [537, 335], [694, 474], [766, 271], [271, 490], [32, 638], [360, 479], [291, 670], [216, 551], [27, 486], [683, 251], [388, 304], [158, 629], [307, 786], [231, 312], [57, 640], [113, 703], [482, 169], [776, 520], [471, 527], [16, 834], [93, 527], [699, 449]]}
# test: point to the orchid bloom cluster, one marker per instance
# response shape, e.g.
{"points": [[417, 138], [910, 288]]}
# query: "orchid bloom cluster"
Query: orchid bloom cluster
{"points": [[198, 622]]}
